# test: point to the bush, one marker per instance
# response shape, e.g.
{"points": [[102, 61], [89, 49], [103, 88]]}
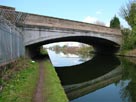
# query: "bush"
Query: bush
{"points": [[129, 40]]}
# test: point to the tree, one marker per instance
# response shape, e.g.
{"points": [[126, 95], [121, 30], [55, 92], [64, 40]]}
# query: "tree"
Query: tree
{"points": [[128, 43], [128, 12], [115, 23]]}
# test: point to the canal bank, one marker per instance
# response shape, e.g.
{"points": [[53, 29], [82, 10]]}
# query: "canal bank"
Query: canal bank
{"points": [[23, 79], [53, 90], [127, 53], [18, 81]]}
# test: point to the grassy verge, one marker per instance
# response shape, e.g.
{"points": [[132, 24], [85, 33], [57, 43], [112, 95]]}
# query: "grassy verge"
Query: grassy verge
{"points": [[53, 90], [43, 51], [21, 83]]}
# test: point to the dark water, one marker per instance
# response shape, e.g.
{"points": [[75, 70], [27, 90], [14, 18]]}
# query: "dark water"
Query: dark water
{"points": [[96, 78]]}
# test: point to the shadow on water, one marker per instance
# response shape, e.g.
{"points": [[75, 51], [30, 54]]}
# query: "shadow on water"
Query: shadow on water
{"points": [[110, 80], [96, 67]]}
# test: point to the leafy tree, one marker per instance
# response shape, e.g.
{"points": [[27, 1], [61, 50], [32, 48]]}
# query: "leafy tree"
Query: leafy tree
{"points": [[128, 12], [129, 39], [115, 23]]}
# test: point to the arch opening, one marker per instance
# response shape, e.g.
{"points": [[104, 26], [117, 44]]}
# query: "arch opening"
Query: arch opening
{"points": [[100, 45]]}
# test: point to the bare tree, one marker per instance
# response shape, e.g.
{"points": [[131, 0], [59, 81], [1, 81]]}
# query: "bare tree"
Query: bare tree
{"points": [[100, 23], [128, 12]]}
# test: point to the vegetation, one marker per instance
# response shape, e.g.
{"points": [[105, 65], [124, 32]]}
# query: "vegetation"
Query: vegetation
{"points": [[128, 12], [54, 92], [85, 51], [81, 50], [129, 39], [19, 81], [43, 51], [129, 68], [115, 23]]}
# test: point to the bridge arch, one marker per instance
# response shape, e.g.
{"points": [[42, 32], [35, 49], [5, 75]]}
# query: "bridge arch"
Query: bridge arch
{"points": [[102, 43]]}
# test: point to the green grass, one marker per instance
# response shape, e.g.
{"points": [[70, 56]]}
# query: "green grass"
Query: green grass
{"points": [[22, 83], [43, 52], [53, 90], [22, 80]]}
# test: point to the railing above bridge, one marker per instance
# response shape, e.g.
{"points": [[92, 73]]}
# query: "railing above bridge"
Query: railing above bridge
{"points": [[50, 22]]}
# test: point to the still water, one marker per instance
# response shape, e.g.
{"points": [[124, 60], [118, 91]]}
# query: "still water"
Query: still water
{"points": [[96, 78]]}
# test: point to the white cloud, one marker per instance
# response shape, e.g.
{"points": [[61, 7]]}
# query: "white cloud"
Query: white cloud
{"points": [[90, 19], [99, 12], [108, 24]]}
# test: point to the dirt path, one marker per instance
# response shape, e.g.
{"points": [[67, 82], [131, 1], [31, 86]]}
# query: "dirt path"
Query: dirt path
{"points": [[38, 96]]}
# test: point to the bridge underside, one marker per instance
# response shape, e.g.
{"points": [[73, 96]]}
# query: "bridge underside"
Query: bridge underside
{"points": [[101, 46]]}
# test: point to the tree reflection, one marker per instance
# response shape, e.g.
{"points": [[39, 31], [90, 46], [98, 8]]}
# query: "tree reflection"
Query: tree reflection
{"points": [[83, 51], [128, 93]]}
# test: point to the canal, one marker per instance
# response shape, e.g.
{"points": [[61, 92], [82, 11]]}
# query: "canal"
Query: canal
{"points": [[96, 78]]}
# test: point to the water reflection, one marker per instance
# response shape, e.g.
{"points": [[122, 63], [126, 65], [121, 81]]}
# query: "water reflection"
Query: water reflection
{"points": [[101, 79], [61, 59], [129, 73], [96, 67], [121, 89]]}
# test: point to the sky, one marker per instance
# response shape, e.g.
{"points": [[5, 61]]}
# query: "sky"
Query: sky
{"points": [[80, 10]]}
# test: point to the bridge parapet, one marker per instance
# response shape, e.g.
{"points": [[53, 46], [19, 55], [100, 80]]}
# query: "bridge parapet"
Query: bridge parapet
{"points": [[39, 20], [21, 18]]}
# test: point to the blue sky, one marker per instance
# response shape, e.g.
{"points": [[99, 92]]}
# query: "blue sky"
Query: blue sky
{"points": [[80, 10]]}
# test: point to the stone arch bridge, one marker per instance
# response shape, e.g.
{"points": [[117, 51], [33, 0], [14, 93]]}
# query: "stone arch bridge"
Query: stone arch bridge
{"points": [[38, 30]]}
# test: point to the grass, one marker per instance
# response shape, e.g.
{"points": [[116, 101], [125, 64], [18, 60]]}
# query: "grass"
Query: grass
{"points": [[22, 83], [22, 80], [53, 90], [43, 52]]}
